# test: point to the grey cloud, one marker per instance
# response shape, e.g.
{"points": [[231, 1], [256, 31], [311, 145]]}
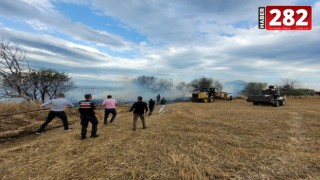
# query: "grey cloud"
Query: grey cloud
{"points": [[24, 11], [287, 47], [184, 60], [180, 21], [53, 45], [179, 24], [73, 59]]}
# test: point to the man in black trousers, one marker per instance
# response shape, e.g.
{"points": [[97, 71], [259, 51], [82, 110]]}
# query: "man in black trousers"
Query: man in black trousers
{"points": [[87, 110], [57, 110], [151, 106], [139, 108]]}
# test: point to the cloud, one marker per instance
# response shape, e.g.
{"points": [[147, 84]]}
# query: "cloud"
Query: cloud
{"points": [[45, 51], [42, 15], [185, 40], [181, 21], [35, 24]]}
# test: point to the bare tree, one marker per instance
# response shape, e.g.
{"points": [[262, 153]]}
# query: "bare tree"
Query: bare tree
{"points": [[290, 87], [163, 84], [218, 85], [153, 83], [146, 81], [184, 88], [288, 84], [18, 80], [12, 68], [253, 88]]}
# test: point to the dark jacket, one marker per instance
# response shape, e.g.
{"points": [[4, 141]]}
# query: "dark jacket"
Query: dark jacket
{"points": [[151, 104], [139, 107], [86, 108], [163, 101]]}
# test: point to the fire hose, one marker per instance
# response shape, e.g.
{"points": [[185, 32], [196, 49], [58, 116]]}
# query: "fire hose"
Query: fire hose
{"points": [[26, 112]]}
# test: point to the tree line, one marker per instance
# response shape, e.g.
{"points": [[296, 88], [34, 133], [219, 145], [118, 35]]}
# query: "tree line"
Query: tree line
{"points": [[158, 85], [154, 84], [286, 86]]}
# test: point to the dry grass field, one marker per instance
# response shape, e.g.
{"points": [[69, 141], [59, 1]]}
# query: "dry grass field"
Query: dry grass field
{"points": [[220, 140]]}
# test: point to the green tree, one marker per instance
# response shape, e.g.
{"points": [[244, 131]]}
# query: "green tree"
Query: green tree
{"points": [[51, 83], [201, 83]]}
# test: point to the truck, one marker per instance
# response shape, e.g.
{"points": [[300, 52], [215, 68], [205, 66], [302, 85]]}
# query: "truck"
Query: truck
{"points": [[270, 96]]}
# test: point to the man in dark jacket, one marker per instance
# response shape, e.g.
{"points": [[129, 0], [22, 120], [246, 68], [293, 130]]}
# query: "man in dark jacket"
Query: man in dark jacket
{"points": [[87, 110], [139, 108], [158, 99], [151, 106]]}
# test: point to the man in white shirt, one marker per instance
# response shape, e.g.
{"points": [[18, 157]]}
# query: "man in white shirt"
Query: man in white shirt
{"points": [[57, 109]]}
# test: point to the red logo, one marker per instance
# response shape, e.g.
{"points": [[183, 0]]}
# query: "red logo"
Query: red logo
{"points": [[285, 18]]}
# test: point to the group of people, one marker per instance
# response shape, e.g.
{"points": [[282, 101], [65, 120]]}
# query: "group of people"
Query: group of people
{"points": [[88, 112]]}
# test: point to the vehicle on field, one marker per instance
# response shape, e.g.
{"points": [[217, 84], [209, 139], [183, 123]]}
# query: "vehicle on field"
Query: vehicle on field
{"points": [[223, 95], [203, 95], [270, 96]]}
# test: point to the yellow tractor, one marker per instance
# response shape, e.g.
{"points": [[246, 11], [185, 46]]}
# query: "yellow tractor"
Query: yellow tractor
{"points": [[203, 95], [223, 95]]}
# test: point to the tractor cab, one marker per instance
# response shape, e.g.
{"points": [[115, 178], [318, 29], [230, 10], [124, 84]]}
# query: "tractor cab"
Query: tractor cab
{"points": [[203, 95]]}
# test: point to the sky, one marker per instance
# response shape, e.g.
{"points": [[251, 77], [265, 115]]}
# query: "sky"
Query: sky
{"points": [[104, 43]]}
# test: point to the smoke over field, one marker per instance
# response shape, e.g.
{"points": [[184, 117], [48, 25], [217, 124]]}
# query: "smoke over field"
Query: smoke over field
{"points": [[127, 92]]}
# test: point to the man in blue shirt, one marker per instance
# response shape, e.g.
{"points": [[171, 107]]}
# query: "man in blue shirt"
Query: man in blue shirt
{"points": [[57, 110]]}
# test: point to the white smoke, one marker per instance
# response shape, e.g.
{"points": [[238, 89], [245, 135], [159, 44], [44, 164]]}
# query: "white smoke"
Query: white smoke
{"points": [[126, 93]]}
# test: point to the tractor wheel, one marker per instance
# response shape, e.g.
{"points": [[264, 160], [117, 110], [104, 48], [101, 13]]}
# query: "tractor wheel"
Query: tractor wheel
{"points": [[276, 104], [255, 103], [282, 103], [205, 100], [211, 99]]}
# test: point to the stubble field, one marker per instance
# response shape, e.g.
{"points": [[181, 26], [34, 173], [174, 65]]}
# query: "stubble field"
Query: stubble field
{"points": [[220, 140]]}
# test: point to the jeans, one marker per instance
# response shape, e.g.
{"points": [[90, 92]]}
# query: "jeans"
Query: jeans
{"points": [[52, 114], [85, 122], [135, 119], [106, 115]]}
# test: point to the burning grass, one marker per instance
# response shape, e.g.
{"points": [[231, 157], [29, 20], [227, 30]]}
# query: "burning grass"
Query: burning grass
{"points": [[220, 140]]}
